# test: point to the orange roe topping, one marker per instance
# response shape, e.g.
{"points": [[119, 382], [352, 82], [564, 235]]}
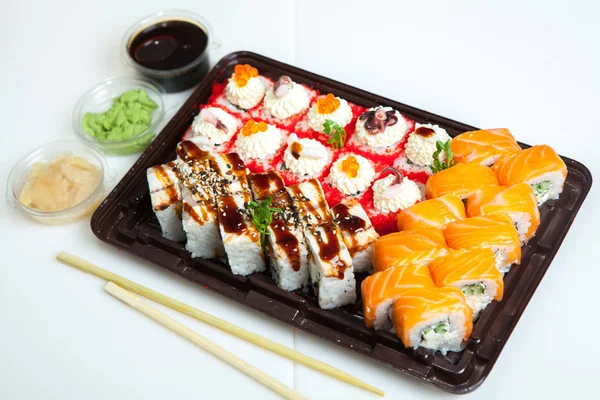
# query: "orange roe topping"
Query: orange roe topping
{"points": [[327, 104], [253, 127], [243, 73], [351, 166]]}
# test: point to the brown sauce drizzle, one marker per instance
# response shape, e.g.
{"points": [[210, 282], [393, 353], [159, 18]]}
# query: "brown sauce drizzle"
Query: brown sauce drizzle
{"points": [[199, 219], [288, 241], [230, 218], [163, 177], [296, 149], [425, 132], [346, 221], [329, 248], [266, 183], [187, 150]]}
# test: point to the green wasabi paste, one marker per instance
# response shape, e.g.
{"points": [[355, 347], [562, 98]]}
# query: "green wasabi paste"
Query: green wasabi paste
{"points": [[129, 117]]}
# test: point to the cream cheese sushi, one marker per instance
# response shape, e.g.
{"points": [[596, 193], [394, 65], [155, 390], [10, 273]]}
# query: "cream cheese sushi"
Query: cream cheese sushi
{"points": [[245, 89], [213, 127], [351, 174], [395, 192], [306, 158], [286, 98], [329, 107], [258, 141], [381, 128], [421, 143]]}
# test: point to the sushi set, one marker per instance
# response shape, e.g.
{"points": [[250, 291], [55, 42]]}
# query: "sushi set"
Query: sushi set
{"points": [[401, 235]]}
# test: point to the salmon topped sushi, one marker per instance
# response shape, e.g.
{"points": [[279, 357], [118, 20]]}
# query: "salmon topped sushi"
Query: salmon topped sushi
{"points": [[539, 167], [461, 180], [483, 147], [472, 271], [408, 248], [517, 201], [438, 319], [434, 213], [495, 232], [381, 289]]}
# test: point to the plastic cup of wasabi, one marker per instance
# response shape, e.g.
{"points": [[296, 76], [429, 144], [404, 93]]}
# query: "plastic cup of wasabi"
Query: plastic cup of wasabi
{"points": [[120, 115]]}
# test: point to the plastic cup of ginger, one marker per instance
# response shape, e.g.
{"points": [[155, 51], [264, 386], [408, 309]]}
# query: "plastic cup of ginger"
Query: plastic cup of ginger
{"points": [[59, 182]]}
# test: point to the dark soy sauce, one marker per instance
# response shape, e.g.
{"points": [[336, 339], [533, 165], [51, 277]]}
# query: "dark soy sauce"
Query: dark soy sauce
{"points": [[171, 45]]}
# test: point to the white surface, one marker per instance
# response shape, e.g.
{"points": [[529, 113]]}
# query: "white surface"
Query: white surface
{"points": [[531, 66]]}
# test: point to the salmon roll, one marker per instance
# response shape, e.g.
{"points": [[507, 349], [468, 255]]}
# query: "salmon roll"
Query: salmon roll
{"points": [[483, 147], [438, 319], [381, 289], [495, 232], [432, 214], [408, 248], [517, 201], [461, 180], [472, 271], [539, 167]]}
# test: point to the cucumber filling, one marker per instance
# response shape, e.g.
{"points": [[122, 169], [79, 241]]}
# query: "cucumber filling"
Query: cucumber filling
{"points": [[542, 190], [474, 289], [432, 330]]}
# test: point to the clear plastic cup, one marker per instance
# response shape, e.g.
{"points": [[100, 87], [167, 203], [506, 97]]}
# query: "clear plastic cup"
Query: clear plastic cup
{"points": [[99, 99], [46, 153], [183, 77]]}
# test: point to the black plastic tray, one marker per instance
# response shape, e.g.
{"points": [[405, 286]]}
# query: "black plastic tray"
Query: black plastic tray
{"points": [[125, 219]]}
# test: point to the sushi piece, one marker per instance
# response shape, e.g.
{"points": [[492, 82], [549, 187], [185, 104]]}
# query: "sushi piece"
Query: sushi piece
{"points": [[432, 214], [462, 180], [285, 240], [201, 225], [421, 143], [240, 237], [286, 98], [495, 232], [381, 289], [329, 107], [472, 271], [381, 128], [517, 201], [438, 319], [245, 89], [330, 264], [408, 248], [166, 199], [358, 233], [310, 203], [483, 147], [539, 167]]}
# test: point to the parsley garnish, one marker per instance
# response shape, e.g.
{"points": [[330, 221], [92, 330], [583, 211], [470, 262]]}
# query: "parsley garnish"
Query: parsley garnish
{"points": [[337, 134], [262, 216], [438, 165]]}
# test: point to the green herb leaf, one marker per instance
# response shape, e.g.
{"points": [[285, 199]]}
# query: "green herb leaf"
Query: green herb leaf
{"points": [[262, 216], [337, 134], [438, 164]]}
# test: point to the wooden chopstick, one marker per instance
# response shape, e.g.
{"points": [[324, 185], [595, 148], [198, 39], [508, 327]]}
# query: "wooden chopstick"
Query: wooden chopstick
{"points": [[242, 333], [182, 330]]}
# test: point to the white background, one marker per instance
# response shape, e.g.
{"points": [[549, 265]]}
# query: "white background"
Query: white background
{"points": [[532, 66]]}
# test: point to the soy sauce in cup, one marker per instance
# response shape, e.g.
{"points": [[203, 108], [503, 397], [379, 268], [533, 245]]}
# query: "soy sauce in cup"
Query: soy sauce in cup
{"points": [[170, 47]]}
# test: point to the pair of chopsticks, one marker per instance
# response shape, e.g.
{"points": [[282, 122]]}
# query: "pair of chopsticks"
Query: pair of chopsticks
{"points": [[122, 289]]}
